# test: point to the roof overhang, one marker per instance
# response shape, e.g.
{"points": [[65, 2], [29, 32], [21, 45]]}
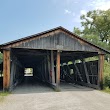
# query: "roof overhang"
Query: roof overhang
{"points": [[51, 31]]}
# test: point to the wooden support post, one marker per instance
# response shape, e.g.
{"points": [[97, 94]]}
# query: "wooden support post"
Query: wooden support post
{"points": [[86, 72], [52, 67], [6, 70], [58, 70], [48, 62], [45, 69], [12, 75], [42, 76], [100, 71], [77, 70]]}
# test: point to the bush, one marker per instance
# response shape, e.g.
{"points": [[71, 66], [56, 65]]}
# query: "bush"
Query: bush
{"points": [[107, 74], [107, 81]]}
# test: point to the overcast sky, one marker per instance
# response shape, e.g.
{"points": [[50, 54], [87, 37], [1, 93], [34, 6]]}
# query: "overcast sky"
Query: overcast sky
{"points": [[21, 18]]}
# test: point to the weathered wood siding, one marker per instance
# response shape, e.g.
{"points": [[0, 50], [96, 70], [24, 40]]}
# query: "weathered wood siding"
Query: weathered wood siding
{"points": [[59, 41], [6, 70], [16, 72]]}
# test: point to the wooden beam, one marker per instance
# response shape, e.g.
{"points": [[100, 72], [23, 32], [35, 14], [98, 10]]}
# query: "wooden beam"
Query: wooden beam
{"points": [[6, 70], [52, 67], [100, 70], [58, 70], [86, 72], [77, 70], [48, 62], [12, 75], [87, 84], [45, 69]]}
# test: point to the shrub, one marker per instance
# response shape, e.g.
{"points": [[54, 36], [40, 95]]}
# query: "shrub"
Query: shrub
{"points": [[107, 81], [106, 74]]}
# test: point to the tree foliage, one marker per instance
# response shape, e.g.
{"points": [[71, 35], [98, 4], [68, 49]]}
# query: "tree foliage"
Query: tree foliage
{"points": [[96, 27], [106, 74]]}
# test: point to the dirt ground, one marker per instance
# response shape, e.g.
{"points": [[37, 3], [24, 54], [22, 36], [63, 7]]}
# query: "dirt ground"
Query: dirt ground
{"points": [[36, 96]]}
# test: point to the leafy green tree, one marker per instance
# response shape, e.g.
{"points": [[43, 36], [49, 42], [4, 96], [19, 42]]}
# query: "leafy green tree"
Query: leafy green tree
{"points": [[97, 22], [96, 27], [77, 31]]}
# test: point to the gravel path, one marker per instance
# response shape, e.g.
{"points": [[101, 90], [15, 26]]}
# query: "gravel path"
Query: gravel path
{"points": [[35, 96]]}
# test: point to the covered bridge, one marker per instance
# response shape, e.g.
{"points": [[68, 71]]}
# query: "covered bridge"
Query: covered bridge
{"points": [[48, 53]]}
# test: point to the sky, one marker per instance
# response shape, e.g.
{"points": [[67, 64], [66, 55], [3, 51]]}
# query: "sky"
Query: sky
{"points": [[21, 18]]}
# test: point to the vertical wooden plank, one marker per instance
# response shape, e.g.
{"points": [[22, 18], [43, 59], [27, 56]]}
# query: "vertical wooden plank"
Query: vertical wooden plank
{"points": [[77, 70], [48, 62], [86, 72], [12, 75], [6, 70], [52, 67], [58, 69], [45, 69], [42, 71], [100, 71]]}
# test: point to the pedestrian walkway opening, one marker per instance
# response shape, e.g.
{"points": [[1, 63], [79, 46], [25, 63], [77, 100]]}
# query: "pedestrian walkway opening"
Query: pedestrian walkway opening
{"points": [[28, 72]]}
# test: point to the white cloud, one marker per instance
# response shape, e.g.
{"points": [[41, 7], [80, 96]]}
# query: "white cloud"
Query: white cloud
{"points": [[100, 4], [67, 11], [83, 12]]}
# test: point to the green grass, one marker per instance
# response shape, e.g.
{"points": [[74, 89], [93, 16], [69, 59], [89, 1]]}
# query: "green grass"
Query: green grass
{"points": [[106, 77], [106, 89], [3, 95], [57, 89]]}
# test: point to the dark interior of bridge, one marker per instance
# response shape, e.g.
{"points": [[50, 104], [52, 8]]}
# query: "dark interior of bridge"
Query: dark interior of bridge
{"points": [[74, 68]]}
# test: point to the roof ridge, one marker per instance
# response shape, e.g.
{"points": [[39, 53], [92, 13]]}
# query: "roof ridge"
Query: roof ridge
{"points": [[50, 30]]}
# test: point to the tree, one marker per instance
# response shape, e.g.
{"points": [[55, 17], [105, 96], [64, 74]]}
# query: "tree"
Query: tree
{"points": [[97, 22], [77, 31], [96, 27]]}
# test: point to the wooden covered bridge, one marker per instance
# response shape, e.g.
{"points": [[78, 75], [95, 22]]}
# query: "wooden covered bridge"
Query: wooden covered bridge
{"points": [[48, 53]]}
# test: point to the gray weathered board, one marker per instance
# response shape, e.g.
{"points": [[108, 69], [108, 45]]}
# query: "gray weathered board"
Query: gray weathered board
{"points": [[58, 41]]}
